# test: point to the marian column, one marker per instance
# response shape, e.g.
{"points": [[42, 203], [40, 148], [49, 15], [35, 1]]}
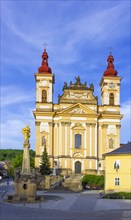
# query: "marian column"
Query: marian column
{"points": [[26, 157]]}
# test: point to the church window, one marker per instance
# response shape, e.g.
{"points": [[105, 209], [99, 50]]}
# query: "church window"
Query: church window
{"points": [[77, 141], [111, 99], [44, 96]]}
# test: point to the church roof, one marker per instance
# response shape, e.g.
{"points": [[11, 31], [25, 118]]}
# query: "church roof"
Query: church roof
{"points": [[110, 71], [126, 149], [44, 68]]}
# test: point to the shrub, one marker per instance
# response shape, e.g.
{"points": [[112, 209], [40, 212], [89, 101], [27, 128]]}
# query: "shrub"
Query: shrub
{"points": [[93, 180], [118, 195]]}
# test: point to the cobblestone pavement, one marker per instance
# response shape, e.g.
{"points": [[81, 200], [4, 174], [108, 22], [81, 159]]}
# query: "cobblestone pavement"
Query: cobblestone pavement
{"points": [[67, 206], [9, 212]]}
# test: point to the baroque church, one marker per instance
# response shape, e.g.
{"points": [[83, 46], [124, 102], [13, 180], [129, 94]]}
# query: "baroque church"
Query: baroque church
{"points": [[77, 131]]}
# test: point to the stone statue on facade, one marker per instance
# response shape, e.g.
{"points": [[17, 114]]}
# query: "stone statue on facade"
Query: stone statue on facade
{"points": [[65, 86], [111, 143], [43, 141]]}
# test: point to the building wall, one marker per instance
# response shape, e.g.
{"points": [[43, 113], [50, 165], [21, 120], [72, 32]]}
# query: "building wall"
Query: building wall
{"points": [[123, 173], [58, 124]]}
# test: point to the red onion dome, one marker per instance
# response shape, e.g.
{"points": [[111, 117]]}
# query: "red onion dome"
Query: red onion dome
{"points": [[44, 66], [110, 68]]}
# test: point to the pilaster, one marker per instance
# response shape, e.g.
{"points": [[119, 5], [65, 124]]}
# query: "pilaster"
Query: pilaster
{"points": [[118, 135], [88, 139], [50, 152], [104, 138]]}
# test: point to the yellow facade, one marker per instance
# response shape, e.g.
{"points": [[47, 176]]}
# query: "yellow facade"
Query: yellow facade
{"points": [[118, 180], [76, 117]]}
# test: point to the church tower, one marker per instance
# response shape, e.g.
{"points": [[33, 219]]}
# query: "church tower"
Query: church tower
{"points": [[44, 83], [110, 85], [44, 107], [109, 120]]}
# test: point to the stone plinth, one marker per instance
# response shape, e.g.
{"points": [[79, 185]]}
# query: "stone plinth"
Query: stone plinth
{"points": [[25, 189]]}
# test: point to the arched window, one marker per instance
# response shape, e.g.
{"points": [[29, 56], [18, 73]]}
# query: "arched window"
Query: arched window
{"points": [[111, 99], [44, 96], [77, 141]]}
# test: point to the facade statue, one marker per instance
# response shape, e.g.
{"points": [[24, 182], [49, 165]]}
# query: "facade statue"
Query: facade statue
{"points": [[92, 86], [78, 80], [26, 133], [65, 86], [58, 97], [43, 141], [111, 143]]}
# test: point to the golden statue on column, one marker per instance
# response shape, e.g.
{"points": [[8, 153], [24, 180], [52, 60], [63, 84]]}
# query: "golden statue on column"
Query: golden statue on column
{"points": [[26, 157]]}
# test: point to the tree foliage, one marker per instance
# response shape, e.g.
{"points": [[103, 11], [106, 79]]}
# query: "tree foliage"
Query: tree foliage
{"points": [[45, 166], [14, 159]]}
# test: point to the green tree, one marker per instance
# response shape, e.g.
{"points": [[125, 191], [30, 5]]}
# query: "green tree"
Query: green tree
{"points": [[45, 166], [17, 162], [14, 158]]}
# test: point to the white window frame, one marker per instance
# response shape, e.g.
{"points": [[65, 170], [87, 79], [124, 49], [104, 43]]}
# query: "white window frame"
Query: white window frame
{"points": [[80, 140], [117, 181]]}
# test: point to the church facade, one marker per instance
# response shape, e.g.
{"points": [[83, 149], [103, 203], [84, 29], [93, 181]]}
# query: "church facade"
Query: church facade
{"points": [[77, 131]]}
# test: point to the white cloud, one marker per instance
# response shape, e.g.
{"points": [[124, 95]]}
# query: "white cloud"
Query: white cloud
{"points": [[69, 34], [12, 95], [65, 35], [16, 113], [11, 136], [126, 122]]}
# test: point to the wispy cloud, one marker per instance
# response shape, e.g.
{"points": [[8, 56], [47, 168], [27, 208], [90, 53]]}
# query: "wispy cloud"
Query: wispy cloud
{"points": [[12, 95], [78, 36], [93, 26], [11, 136], [126, 125]]}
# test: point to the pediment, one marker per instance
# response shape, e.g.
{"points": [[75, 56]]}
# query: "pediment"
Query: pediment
{"points": [[78, 109]]}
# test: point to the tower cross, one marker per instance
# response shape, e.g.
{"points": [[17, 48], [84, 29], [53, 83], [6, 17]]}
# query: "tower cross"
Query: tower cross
{"points": [[110, 48], [45, 44]]}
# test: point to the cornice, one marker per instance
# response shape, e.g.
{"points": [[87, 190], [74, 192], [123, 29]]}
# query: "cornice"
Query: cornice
{"points": [[111, 116], [88, 124]]}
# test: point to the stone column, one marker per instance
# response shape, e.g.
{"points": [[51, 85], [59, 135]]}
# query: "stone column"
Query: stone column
{"points": [[26, 157], [68, 139], [63, 138], [51, 151], [37, 157]]}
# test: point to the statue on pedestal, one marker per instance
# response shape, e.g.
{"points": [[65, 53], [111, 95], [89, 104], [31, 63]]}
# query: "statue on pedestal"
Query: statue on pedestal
{"points": [[26, 145]]}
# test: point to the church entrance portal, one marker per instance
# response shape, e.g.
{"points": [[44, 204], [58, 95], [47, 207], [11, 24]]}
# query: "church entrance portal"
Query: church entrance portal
{"points": [[77, 167]]}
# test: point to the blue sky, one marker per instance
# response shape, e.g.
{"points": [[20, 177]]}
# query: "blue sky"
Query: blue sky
{"points": [[78, 36]]}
